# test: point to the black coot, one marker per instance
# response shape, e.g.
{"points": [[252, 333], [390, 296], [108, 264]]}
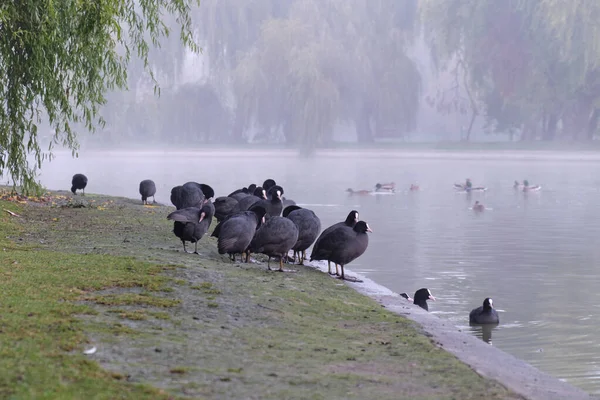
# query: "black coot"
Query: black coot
{"points": [[147, 189], [236, 232], [421, 297], [406, 296], [240, 195], [192, 223], [273, 205], [343, 245], [271, 191], [486, 314], [191, 194], [309, 226], [350, 221], [224, 206], [79, 182], [258, 210], [246, 202], [268, 183], [244, 190], [274, 238]]}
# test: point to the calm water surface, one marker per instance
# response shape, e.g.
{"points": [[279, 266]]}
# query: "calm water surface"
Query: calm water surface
{"points": [[537, 255]]}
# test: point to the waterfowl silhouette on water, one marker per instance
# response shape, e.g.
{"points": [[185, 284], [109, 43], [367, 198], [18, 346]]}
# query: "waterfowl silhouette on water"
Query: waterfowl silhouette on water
{"points": [[485, 314], [192, 223], [147, 189], [478, 207], [390, 187], [79, 182], [421, 297], [309, 227], [358, 192], [343, 245]]}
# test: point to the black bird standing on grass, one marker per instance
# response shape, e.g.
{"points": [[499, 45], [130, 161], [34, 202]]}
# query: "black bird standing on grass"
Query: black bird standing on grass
{"points": [[309, 226], [342, 245], [350, 221], [147, 189], [79, 182], [192, 223]]}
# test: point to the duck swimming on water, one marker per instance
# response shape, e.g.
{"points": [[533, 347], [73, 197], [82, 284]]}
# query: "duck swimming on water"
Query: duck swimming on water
{"points": [[485, 314], [478, 206], [390, 187], [359, 192], [421, 297]]}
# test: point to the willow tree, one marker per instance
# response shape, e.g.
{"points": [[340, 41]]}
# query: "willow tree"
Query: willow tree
{"points": [[330, 61], [381, 85], [59, 58], [283, 85], [530, 64]]}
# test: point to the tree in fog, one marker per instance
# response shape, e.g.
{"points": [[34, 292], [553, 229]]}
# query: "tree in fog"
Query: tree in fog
{"points": [[330, 61], [59, 59], [529, 66]]}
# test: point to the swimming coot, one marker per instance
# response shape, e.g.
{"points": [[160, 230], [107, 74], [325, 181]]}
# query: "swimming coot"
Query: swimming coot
{"points": [[309, 226], [486, 314], [192, 223], [79, 182], [406, 296], [274, 238], [343, 245], [147, 189], [236, 231], [350, 221], [421, 297]]}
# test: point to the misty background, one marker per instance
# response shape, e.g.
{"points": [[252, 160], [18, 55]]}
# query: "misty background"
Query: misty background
{"points": [[313, 73]]}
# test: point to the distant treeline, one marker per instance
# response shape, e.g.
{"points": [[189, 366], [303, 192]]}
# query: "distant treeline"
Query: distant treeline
{"points": [[287, 71]]}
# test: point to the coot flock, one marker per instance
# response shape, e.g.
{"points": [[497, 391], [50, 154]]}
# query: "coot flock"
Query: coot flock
{"points": [[258, 219]]}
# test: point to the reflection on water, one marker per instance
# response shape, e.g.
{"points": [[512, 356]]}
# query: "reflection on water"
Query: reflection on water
{"points": [[536, 254], [484, 332]]}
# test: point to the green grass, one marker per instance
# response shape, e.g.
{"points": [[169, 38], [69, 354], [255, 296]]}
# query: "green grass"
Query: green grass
{"points": [[198, 326], [41, 339]]}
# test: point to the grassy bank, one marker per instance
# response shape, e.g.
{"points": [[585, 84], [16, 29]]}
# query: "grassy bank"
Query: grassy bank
{"points": [[108, 272]]}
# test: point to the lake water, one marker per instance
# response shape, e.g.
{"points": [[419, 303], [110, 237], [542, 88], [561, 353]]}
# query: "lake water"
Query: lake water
{"points": [[536, 254]]}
